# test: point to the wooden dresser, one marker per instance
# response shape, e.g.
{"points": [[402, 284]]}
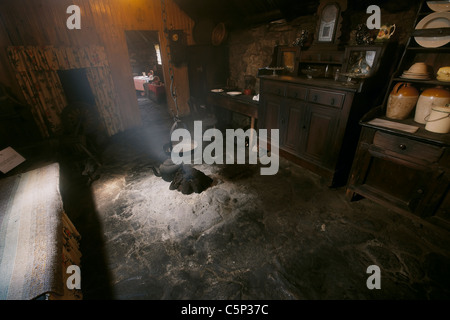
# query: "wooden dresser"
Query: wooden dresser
{"points": [[317, 119], [408, 171]]}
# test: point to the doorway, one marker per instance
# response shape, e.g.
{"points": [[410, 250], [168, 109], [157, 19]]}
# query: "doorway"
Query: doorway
{"points": [[76, 86], [145, 57]]}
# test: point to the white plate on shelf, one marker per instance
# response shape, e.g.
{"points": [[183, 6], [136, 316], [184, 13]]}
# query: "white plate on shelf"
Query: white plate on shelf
{"points": [[416, 75], [217, 90], [414, 78], [434, 20], [234, 93], [439, 6]]}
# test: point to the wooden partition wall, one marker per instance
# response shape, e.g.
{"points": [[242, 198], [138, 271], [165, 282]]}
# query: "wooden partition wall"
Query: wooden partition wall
{"points": [[103, 23]]}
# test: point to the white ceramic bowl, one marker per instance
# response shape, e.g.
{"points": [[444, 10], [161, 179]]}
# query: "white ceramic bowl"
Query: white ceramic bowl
{"points": [[419, 68]]}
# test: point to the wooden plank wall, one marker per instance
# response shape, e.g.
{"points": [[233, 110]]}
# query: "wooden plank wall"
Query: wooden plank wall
{"points": [[103, 22]]}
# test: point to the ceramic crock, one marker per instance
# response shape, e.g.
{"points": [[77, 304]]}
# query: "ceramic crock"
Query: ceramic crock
{"points": [[401, 101], [429, 98]]}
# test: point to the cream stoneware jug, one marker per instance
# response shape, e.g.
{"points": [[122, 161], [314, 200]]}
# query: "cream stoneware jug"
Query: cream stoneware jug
{"points": [[428, 99]]}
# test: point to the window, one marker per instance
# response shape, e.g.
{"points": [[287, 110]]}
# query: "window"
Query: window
{"points": [[158, 54]]}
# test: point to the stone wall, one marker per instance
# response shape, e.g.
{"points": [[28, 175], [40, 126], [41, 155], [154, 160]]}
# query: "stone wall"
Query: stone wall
{"points": [[252, 49]]}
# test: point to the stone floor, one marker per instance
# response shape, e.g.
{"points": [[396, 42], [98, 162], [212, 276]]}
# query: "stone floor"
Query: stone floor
{"points": [[248, 236]]}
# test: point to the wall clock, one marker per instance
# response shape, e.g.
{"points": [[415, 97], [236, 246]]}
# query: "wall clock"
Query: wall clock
{"points": [[177, 43], [176, 37], [328, 21]]}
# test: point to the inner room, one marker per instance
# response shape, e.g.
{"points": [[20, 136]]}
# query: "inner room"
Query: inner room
{"points": [[225, 150]]}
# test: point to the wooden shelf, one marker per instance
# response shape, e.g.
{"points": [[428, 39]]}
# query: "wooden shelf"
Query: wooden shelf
{"points": [[425, 82], [431, 32], [419, 48]]}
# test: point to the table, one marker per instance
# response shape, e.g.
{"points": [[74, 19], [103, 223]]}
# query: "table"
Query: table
{"points": [[243, 104], [139, 82]]}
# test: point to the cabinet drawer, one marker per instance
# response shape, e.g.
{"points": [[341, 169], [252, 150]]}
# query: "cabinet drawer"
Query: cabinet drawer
{"points": [[296, 92], [275, 88], [406, 148], [332, 99]]}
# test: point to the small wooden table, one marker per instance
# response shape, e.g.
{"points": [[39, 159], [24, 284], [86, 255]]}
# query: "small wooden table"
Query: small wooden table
{"points": [[243, 104]]}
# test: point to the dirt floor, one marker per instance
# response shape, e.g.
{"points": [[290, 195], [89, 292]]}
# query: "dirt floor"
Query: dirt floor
{"points": [[248, 236]]}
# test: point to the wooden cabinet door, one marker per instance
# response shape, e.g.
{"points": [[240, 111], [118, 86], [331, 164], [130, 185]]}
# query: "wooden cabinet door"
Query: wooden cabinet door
{"points": [[404, 180], [272, 113], [292, 121], [319, 134]]}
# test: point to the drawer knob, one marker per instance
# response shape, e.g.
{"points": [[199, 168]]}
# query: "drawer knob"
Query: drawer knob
{"points": [[402, 146], [420, 191]]}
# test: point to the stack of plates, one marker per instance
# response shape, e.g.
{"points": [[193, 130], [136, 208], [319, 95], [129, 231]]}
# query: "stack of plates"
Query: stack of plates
{"points": [[416, 76]]}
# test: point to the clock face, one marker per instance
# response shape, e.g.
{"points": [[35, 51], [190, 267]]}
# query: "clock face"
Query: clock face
{"points": [[329, 13]]}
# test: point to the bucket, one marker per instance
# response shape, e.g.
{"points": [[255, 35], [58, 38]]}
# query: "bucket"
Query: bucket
{"points": [[439, 120]]}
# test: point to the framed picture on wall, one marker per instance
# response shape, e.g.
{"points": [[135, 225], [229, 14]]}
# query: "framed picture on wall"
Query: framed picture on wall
{"points": [[287, 57], [362, 60]]}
